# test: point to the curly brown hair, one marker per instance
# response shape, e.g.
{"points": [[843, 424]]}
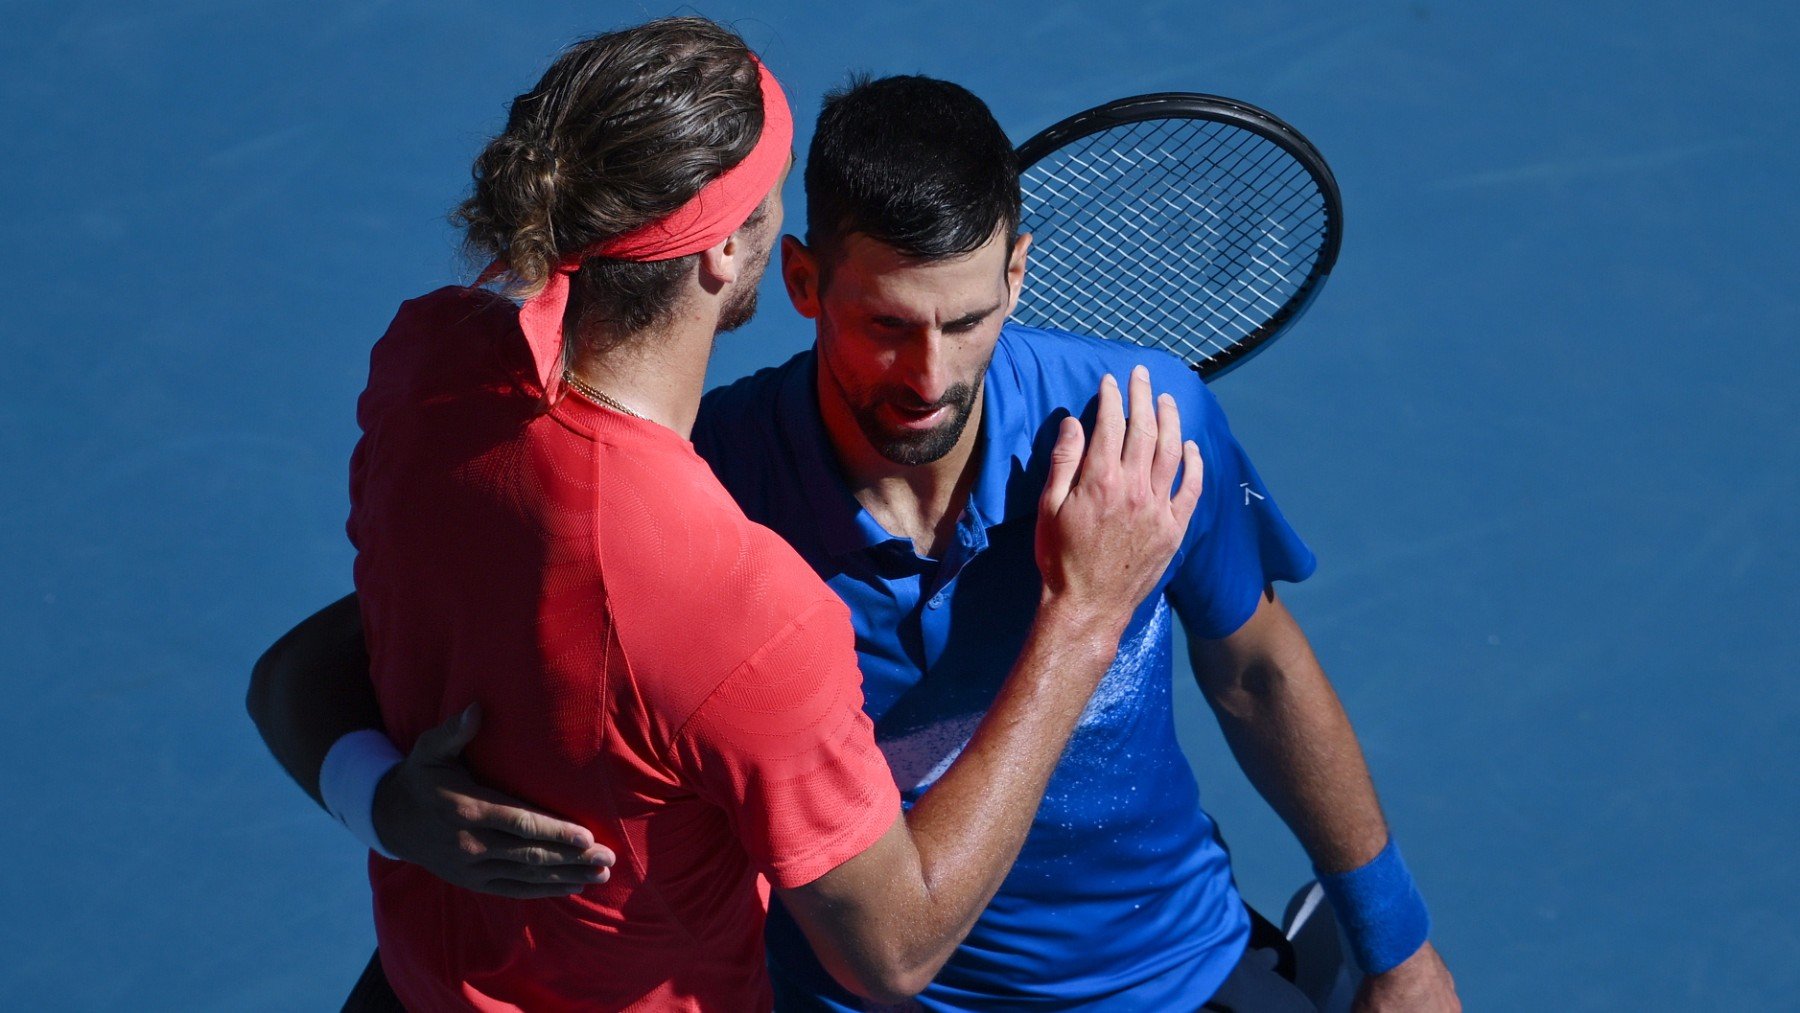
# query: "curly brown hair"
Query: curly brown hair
{"points": [[624, 128]]}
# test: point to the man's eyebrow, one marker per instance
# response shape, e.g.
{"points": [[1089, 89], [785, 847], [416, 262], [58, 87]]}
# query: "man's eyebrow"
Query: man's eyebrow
{"points": [[968, 319]]}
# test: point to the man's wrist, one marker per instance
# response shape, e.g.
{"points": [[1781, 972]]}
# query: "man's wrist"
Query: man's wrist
{"points": [[1082, 625], [1382, 914], [352, 770]]}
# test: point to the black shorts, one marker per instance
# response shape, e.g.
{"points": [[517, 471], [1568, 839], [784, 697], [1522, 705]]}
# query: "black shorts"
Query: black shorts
{"points": [[1263, 980], [372, 993]]}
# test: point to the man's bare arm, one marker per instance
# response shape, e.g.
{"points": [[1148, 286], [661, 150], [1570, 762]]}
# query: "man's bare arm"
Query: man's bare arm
{"points": [[885, 921], [312, 687], [1289, 732]]}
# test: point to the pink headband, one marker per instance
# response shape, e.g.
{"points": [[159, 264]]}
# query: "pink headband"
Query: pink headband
{"points": [[708, 218]]}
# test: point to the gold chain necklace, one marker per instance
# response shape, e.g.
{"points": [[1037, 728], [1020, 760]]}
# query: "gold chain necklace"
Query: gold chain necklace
{"points": [[594, 394]]}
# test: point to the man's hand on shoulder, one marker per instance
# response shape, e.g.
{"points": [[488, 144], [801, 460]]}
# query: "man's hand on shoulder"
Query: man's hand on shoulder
{"points": [[1422, 983], [430, 812], [1111, 517]]}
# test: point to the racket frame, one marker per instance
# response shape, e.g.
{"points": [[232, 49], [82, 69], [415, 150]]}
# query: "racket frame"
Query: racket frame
{"points": [[1219, 109]]}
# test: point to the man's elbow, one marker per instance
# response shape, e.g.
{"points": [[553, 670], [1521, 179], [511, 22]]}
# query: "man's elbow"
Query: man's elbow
{"points": [[262, 677], [1246, 691], [885, 974], [889, 984]]}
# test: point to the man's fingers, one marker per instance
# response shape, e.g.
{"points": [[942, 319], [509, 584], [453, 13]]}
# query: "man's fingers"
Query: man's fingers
{"points": [[1141, 427], [446, 741], [499, 846], [1065, 461], [1192, 478], [1109, 426], [500, 812], [1168, 446], [509, 863]]}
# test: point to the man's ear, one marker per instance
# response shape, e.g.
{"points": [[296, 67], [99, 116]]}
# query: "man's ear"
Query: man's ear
{"points": [[720, 263], [1015, 271], [800, 270]]}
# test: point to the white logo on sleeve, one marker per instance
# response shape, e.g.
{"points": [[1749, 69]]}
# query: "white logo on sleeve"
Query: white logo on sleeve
{"points": [[1249, 492]]}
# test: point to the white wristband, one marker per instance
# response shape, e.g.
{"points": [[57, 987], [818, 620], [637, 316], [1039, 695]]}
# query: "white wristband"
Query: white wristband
{"points": [[347, 779]]}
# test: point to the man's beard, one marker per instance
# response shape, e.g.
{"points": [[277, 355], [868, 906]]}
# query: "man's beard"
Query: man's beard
{"points": [[740, 306], [738, 309], [913, 448]]}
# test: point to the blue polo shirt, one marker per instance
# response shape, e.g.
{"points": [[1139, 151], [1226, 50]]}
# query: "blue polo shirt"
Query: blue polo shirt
{"points": [[1123, 891]]}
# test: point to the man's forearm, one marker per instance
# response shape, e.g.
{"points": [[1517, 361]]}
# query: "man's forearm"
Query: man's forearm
{"points": [[961, 838], [312, 687], [971, 824], [1289, 733]]}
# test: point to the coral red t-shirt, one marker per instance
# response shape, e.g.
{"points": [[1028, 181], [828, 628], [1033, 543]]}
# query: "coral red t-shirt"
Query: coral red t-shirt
{"points": [[649, 663]]}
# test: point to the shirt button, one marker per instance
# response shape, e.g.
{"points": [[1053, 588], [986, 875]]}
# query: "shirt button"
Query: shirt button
{"points": [[936, 601]]}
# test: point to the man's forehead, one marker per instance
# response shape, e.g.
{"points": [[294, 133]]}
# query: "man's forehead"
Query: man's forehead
{"points": [[872, 274]]}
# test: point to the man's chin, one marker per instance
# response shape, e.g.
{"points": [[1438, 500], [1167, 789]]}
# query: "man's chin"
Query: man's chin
{"points": [[897, 435], [911, 447]]}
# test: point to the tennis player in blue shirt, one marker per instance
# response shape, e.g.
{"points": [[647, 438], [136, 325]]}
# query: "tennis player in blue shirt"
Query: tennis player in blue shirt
{"points": [[902, 456]]}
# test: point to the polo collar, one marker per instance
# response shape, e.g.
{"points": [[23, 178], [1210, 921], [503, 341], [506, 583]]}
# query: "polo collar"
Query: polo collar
{"points": [[1006, 435]]}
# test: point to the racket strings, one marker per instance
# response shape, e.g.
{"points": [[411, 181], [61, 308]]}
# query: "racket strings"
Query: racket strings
{"points": [[1249, 253], [1198, 233]]}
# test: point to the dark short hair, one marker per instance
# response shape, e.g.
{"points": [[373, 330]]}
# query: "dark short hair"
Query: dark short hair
{"points": [[912, 162], [624, 128]]}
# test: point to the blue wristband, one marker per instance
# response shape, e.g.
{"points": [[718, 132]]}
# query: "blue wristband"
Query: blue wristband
{"points": [[353, 767], [1380, 909]]}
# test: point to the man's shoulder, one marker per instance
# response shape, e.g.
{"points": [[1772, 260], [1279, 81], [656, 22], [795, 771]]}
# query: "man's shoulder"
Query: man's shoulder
{"points": [[1062, 370], [444, 342], [743, 427], [725, 618], [453, 304], [692, 576], [453, 314], [1057, 344], [749, 403]]}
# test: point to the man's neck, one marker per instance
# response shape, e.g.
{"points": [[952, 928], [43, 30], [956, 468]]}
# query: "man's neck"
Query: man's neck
{"points": [[921, 502], [658, 373]]}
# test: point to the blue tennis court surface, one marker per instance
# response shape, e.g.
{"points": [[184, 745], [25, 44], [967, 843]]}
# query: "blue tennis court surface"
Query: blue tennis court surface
{"points": [[1540, 428]]}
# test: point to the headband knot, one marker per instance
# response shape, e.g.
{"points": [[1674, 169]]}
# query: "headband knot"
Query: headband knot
{"points": [[719, 209]]}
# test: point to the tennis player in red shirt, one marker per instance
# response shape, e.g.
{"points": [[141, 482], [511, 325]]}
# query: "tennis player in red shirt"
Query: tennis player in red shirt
{"points": [[535, 534]]}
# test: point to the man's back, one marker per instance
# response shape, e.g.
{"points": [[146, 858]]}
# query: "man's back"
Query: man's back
{"points": [[655, 667]]}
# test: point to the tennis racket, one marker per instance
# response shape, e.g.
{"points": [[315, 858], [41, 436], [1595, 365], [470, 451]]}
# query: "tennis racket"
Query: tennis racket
{"points": [[1193, 223]]}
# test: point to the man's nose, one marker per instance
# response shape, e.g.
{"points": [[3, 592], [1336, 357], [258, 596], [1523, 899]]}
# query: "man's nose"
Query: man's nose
{"points": [[927, 367]]}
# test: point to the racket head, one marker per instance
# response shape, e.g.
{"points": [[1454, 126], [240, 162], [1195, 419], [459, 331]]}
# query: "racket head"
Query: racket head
{"points": [[1190, 222]]}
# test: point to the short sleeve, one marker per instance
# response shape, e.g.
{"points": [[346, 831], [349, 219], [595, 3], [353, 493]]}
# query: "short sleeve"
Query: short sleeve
{"points": [[784, 748], [1238, 541]]}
